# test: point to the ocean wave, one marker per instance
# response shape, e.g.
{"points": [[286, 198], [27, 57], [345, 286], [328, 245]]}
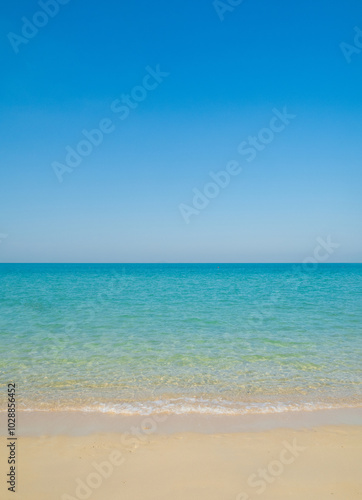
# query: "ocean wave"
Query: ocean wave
{"points": [[193, 406]]}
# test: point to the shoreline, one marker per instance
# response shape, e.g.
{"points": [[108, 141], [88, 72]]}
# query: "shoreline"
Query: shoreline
{"points": [[276, 456], [37, 423]]}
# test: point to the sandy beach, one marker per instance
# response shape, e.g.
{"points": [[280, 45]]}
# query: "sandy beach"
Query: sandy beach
{"points": [[323, 462]]}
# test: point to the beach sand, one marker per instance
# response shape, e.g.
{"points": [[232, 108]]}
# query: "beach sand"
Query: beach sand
{"points": [[312, 463]]}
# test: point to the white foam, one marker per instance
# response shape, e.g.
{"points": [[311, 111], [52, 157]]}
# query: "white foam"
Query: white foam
{"points": [[193, 406]]}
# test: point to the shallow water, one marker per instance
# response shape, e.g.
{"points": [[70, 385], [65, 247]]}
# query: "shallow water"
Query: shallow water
{"points": [[215, 339]]}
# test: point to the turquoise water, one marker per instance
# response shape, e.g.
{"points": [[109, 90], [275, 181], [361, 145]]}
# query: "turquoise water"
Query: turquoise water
{"points": [[223, 339]]}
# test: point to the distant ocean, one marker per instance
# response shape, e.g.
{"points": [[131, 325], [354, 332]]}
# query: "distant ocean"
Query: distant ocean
{"points": [[181, 338]]}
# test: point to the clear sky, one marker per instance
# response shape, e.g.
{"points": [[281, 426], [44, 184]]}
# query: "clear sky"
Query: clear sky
{"points": [[219, 79]]}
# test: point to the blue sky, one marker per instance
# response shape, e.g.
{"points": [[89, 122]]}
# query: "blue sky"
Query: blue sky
{"points": [[224, 79]]}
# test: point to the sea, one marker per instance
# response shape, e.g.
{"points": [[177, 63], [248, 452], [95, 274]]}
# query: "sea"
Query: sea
{"points": [[213, 339]]}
